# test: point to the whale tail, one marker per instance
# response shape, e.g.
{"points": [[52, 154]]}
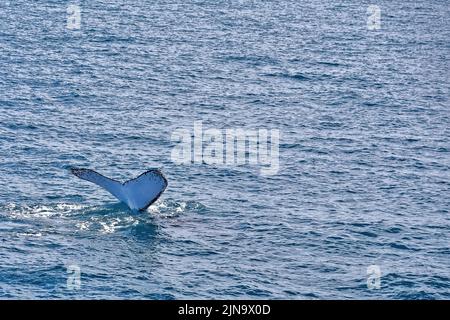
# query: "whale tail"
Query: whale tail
{"points": [[138, 194]]}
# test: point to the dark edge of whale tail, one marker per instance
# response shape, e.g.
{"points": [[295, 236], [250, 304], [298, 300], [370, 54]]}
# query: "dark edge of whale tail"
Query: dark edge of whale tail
{"points": [[166, 184]]}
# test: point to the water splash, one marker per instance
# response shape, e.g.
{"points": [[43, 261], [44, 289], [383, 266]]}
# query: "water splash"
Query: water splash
{"points": [[105, 219], [38, 210]]}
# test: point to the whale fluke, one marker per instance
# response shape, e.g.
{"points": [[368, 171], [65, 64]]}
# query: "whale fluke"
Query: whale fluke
{"points": [[137, 194]]}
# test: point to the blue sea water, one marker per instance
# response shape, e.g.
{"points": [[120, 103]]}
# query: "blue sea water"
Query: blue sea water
{"points": [[364, 150]]}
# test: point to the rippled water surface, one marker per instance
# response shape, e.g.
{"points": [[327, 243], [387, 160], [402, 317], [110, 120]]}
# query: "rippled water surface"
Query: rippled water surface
{"points": [[364, 149]]}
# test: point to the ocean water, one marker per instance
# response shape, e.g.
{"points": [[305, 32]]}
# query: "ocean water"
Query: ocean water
{"points": [[364, 149]]}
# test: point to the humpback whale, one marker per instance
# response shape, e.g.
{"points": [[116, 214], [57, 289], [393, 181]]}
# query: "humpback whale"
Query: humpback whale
{"points": [[138, 194]]}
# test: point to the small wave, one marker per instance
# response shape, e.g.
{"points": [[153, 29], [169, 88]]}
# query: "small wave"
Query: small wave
{"points": [[29, 234], [289, 75]]}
